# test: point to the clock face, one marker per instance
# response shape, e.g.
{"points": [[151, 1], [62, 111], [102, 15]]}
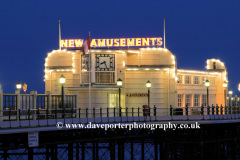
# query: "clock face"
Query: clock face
{"points": [[105, 62], [85, 62]]}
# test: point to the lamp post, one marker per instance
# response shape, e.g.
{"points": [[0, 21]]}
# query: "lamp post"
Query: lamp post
{"points": [[119, 84], [24, 88], [148, 85], [62, 82], [239, 88], [207, 84], [225, 92], [18, 86], [230, 97]]}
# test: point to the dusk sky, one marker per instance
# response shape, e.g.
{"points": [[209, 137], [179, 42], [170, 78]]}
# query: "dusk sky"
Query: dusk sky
{"points": [[195, 31]]}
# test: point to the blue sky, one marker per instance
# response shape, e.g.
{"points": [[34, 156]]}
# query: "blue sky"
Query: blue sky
{"points": [[195, 30]]}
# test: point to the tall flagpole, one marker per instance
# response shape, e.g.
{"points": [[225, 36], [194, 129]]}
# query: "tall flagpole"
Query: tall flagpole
{"points": [[59, 35], [164, 33], [90, 72]]}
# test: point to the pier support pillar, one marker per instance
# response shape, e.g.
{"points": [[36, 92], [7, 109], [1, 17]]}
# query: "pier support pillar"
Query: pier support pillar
{"points": [[30, 153], [70, 150], [120, 151]]}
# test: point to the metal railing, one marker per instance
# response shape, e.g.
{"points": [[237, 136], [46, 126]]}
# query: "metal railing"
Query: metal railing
{"points": [[120, 114], [41, 101], [9, 101]]}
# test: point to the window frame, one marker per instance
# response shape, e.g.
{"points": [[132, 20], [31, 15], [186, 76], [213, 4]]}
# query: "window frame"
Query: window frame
{"points": [[189, 79], [190, 100], [180, 100], [203, 80], [204, 100], [196, 80], [196, 101], [180, 79]]}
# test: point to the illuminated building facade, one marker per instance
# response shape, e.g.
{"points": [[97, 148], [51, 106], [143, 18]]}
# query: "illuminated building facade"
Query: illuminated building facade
{"points": [[191, 85], [134, 66]]}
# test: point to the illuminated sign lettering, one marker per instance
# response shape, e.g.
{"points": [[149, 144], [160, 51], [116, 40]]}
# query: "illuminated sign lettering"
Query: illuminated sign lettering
{"points": [[136, 94], [121, 42]]}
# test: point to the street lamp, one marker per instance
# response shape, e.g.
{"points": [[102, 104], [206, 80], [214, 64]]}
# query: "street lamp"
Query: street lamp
{"points": [[62, 82], [207, 84], [18, 86], [230, 97], [24, 88], [225, 91], [239, 89], [119, 84], [148, 85]]}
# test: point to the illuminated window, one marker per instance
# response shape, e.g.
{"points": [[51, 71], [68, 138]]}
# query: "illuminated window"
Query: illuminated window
{"points": [[188, 99], [196, 80], [180, 79], [105, 77], [112, 103], [180, 100], [204, 99], [187, 80], [196, 100], [203, 80]]}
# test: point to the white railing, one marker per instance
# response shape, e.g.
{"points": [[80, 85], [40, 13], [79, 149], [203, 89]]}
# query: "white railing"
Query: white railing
{"points": [[16, 106]]}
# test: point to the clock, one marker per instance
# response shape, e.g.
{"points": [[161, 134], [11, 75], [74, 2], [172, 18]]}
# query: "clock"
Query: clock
{"points": [[85, 62], [105, 62]]}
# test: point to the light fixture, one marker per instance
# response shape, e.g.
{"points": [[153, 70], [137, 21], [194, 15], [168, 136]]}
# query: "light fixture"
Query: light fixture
{"points": [[62, 79], [62, 82], [148, 84], [18, 85], [119, 82], [230, 97], [225, 84], [207, 83]]}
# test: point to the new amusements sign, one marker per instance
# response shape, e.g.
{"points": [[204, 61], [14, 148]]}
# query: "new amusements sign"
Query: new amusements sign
{"points": [[118, 42]]}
